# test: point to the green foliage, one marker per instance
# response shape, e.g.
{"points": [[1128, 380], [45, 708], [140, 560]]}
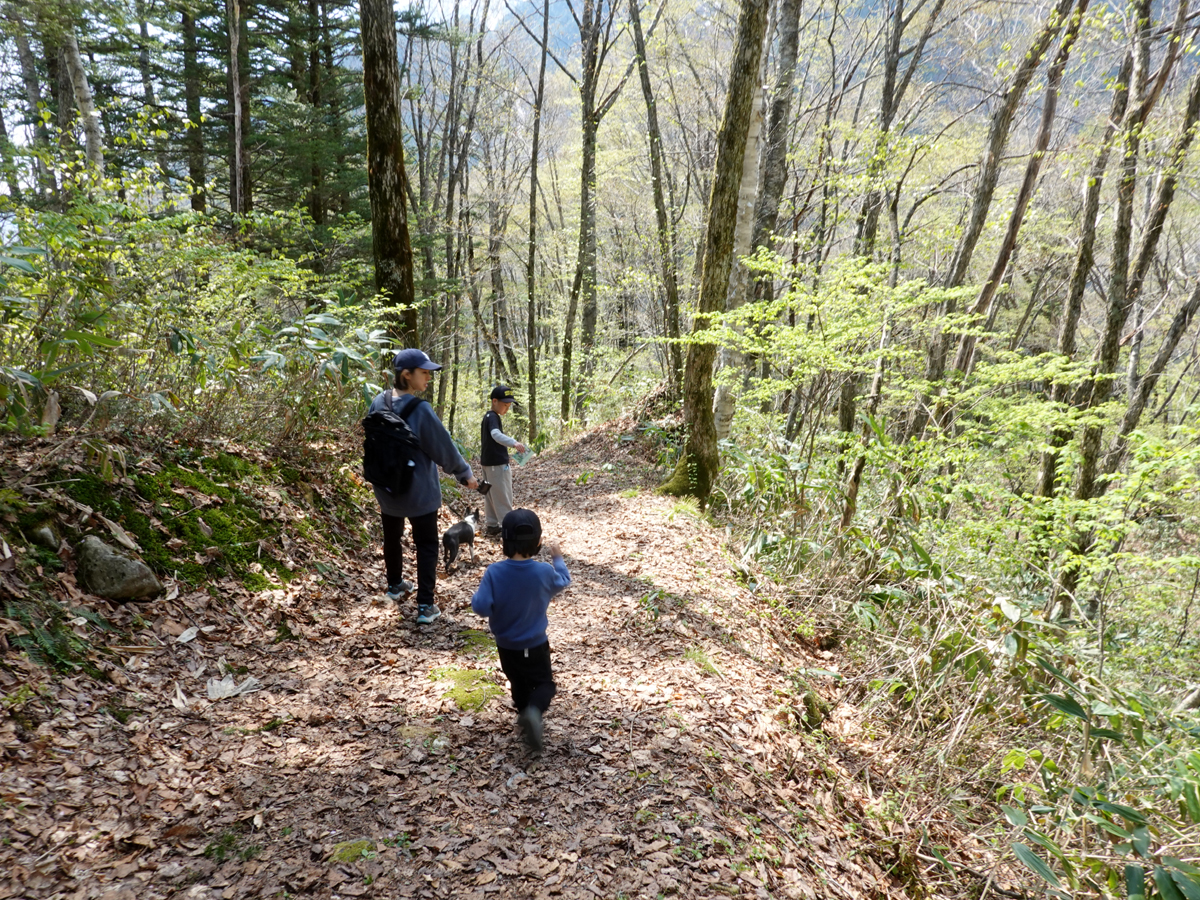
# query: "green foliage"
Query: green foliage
{"points": [[50, 635]]}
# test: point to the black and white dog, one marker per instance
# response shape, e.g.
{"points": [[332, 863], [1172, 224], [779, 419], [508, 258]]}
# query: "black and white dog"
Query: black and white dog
{"points": [[457, 536]]}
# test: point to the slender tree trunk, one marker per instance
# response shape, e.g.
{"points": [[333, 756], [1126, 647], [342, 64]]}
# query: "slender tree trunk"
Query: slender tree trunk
{"points": [[1073, 302], [531, 259], [997, 140], [316, 172], [855, 480], [966, 345], [160, 149], [83, 101], [33, 99], [985, 189], [194, 139], [509, 371], [667, 251], [386, 177], [889, 104], [1139, 396], [698, 464], [244, 75], [237, 166], [8, 163]]}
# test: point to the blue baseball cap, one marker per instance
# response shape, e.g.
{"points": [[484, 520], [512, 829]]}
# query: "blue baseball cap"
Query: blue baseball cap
{"points": [[412, 358]]}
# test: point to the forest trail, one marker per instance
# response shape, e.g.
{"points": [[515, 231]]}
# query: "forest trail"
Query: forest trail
{"points": [[674, 764]]}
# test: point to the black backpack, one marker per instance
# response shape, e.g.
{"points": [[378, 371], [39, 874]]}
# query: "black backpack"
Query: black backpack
{"points": [[390, 447]]}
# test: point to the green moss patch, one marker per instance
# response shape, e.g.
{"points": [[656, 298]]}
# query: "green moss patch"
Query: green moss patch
{"points": [[189, 525], [478, 643], [352, 851], [472, 687]]}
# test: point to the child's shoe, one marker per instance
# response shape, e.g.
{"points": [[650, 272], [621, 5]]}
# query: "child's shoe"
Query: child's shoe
{"points": [[530, 721], [396, 591], [427, 613]]}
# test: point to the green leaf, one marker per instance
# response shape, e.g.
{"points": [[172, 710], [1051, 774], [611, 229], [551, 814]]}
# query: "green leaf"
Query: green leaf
{"points": [[1015, 816], [1065, 704], [1135, 883], [1141, 841], [1125, 812], [1166, 884], [1189, 885], [19, 264], [90, 338], [1035, 863], [1181, 866], [1011, 611], [1191, 796], [1057, 673], [1109, 734], [1108, 826], [1041, 840]]}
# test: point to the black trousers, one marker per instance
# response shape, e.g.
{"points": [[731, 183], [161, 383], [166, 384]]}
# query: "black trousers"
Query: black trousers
{"points": [[425, 538], [529, 673]]}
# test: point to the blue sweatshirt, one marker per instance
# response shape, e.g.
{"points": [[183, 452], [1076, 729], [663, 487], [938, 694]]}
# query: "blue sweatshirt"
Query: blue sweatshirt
{"points": [[437, 449], [514, 595]]}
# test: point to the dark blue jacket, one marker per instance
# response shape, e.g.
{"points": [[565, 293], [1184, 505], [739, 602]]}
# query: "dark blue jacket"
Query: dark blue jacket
{"points": [[437, 449], [514, 595]]}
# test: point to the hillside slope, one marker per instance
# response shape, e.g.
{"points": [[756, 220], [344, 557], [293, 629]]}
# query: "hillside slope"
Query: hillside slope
{"points": [[678, 760]]}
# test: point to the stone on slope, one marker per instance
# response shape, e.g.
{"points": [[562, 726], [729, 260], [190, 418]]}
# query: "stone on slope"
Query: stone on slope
{"points": [[113, 575]]}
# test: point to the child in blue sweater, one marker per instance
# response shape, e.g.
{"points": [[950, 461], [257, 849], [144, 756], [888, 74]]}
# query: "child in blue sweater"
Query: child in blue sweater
{"points": [[514, 595]]}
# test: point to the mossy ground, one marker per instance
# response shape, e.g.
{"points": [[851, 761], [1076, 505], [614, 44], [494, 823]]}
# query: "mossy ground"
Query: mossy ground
{"points": [[478, 643], [472, 687], [180, 511]]}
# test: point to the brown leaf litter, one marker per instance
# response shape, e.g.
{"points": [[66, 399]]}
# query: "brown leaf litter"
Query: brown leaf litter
{"points": [[674, 762]]}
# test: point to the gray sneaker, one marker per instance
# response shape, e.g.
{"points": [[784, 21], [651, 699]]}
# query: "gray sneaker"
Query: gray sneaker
{"points": [[396, 591], [427, 613], [530, 721]]}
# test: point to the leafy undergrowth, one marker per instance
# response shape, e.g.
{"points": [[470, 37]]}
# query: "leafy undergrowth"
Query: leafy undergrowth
{"points": [[696, 748]]}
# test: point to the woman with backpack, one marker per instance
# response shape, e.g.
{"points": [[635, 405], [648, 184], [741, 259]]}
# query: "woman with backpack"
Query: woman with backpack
{"points": [[420, 445]]}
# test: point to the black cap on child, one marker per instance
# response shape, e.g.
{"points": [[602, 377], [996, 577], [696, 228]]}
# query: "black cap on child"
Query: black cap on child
{"points": [[521, 532]]}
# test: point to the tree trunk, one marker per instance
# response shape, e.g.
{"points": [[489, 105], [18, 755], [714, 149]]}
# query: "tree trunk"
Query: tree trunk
{"points": [[237, 163], [194, 139], [33, 100], [997, 140], [668, 254], [1073, 302], [83, 101], [1139, 396], [855, 480], [698, 464], [723, 402], [386, 177], [531, 259], [8, 163], [160, 149], [889, 104], [966, 345], [985, 189], [316, 172]]}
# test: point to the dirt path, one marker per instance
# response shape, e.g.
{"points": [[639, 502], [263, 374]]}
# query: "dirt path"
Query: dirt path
{"points": [[674, 763]]}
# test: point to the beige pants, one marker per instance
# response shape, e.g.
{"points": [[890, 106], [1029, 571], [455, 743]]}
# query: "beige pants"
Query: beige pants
{"points": [[499, 500]]}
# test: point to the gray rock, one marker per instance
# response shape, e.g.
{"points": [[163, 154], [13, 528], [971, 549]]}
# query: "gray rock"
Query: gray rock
{"points": [[108, 573], [44, 536]]}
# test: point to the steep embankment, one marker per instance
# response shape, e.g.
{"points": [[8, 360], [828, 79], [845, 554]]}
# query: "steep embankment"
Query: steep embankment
{"points": [[678, 758]]}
